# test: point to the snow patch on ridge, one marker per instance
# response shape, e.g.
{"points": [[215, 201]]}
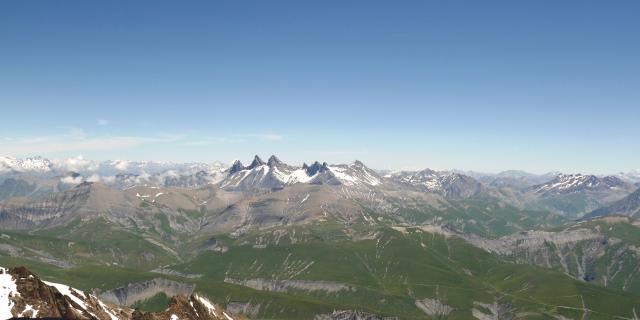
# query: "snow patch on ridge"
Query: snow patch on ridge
{"points": [[8, 288]]}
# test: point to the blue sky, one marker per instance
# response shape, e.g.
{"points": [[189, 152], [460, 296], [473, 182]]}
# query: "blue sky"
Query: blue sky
{"points": [[476, 85]]}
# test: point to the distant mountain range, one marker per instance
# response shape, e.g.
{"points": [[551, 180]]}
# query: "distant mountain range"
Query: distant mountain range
{"points": [[572, 195], [274, 240], [627, 206]]}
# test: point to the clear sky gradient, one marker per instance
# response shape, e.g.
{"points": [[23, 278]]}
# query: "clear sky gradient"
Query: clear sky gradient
{"points": [[475, 85]]}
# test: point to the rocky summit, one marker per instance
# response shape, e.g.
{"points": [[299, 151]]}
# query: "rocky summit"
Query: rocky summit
{"points": [[23, 296]]}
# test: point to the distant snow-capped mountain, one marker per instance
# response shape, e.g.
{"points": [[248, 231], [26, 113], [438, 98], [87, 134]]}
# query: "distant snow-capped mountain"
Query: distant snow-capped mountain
{"points": [[571, 183], [118, 173], [274, 174], [449, 184], [32, 165], [516, 179], [576, 194], [114, 167]]}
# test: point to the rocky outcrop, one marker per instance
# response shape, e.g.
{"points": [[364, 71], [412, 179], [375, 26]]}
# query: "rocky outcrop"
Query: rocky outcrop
{"points": [[288, 285], [24, 295], [249, 308], [493, 311], [182, 307], [532, 241], [351, 315], [577, 252], [433, 307], [134, 292], [22, 214]]}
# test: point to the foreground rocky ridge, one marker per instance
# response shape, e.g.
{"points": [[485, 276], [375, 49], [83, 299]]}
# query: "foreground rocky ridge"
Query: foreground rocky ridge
{"points": [[24, 295]]}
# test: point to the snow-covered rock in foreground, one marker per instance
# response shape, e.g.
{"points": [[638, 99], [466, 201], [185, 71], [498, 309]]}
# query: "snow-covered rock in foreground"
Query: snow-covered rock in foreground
{"points": [[24, 295]]}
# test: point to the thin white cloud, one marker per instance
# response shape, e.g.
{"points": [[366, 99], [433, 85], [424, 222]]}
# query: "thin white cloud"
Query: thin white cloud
{"points": [[103, 122], [78, 163], [266, 136], [202, 141], [71, 180], [121, 165], [74, 140], [213, 140], [334, 153]]}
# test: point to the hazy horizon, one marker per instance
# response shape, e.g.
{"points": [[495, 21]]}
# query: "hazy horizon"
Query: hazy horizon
{"points": [[491, 86], [248, 160]]}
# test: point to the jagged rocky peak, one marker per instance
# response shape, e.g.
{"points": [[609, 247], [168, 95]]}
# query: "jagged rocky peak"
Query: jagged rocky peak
{"points": [[315, 168], [256, 162], [359, 163], [273, 161], [236, 166]]}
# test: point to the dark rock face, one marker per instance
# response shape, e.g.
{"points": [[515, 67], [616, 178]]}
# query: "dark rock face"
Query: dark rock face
{"points": [[236, 166], [273, 161], [316, 167], [256, 162], [24, 295]]}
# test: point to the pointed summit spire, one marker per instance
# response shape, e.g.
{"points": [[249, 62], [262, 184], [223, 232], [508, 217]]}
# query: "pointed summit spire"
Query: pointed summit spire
{"points": [[315, 168], [256, 162], [273, 160], [235, 167]]}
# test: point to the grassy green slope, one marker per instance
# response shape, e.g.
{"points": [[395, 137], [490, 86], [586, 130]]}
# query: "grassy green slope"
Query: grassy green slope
{"points": [[388, 270], [485, 218], [393, 270]]}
